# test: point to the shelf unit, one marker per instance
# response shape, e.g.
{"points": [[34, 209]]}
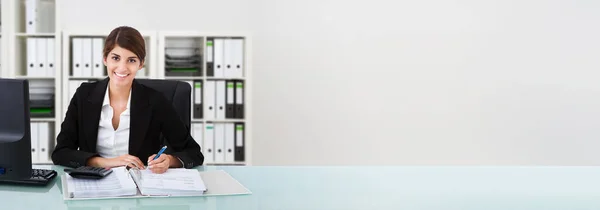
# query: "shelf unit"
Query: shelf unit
{"points": [[17, 41], [170, 40]]}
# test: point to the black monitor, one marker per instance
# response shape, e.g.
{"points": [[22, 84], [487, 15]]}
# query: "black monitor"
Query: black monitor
{"points": [[15, 134]]}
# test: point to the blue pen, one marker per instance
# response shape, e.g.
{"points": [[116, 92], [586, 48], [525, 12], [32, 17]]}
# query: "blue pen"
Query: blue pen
{"points": [[160, 152]]}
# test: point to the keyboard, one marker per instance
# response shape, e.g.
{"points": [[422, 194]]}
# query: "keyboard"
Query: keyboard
{"points": [[39, 177]]}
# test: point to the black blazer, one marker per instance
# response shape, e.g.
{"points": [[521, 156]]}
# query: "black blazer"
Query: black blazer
{"points": [[151, 115]]}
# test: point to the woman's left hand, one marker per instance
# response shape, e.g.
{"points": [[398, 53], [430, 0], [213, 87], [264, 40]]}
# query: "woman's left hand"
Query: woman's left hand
{"points": [[159, 165]]}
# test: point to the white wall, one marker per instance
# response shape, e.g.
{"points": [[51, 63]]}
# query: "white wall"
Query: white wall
{"points": [[378, 82]]}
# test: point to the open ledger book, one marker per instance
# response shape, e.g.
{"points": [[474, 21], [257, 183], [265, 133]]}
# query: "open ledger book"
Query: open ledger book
{"points": [[124, 182]]}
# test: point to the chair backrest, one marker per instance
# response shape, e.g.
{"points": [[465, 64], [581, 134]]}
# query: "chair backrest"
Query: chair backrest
{"points": [[177, 92]]}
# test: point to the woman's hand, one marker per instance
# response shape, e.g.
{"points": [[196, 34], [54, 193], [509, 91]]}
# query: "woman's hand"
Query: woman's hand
{"points": [[123, 160], [163, 163]]}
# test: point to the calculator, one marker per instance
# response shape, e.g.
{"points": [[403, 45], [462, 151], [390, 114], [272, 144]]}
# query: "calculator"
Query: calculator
{"points": [[89, 172]]}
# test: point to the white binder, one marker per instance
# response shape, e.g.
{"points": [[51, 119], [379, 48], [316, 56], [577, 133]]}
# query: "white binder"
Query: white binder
{"points": [[209, 100], [87, 57], [35, 136], [228, 53], [219, 58], [41, 51], [238, 58], [50, 57], [44, 142], [191, 96], [220, 102], [32, 8], [209, 143], [197, 134], [97, 63], [229, 142], [31, 57], [219, 142], [77, 57]]}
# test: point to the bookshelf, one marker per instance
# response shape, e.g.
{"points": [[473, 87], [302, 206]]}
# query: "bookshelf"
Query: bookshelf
{"points": [[201, 73], [30, 51], [17, 40]]}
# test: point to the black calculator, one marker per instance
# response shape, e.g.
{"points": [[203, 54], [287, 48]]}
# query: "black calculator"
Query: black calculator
{"points": [[89, 172]]}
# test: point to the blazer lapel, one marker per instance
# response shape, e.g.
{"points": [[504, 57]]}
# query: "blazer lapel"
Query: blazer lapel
{"points": [[140, 117], [92, 113]]}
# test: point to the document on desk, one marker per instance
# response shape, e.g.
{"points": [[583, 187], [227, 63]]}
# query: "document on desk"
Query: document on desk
{"points": [[133, 183], [116, 184], [174, 182]]}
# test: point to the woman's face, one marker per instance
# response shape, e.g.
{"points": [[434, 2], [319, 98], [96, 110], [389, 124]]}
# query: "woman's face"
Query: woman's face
{"points": [[121, 66]]}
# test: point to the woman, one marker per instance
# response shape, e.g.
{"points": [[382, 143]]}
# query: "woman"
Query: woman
{"points": [[118, 122]]}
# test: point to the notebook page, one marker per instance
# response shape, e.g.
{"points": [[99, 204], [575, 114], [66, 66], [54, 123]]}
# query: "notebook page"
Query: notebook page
{"points": [[118, 183], [174, 180]]}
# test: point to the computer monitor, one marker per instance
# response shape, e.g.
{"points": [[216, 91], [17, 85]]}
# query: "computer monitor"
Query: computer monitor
{"points": [[15, 134]]}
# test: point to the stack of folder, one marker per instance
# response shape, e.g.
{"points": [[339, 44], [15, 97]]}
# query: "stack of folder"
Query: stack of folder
{"points": [[87, 57], [225, 57], [183, 57], [183, 65], [222, 99], [220, 142], [40, 57], [42, 142], [41, 98]]}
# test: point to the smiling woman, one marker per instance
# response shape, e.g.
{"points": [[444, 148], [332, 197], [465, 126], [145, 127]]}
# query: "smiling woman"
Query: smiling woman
{"points": [[118, 121], [124, 53]]}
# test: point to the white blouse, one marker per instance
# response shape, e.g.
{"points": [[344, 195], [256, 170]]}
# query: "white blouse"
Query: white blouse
{"points": [[113, 143]]}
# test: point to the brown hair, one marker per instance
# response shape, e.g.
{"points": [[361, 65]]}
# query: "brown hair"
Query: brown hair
{"points": [[128, 38]]}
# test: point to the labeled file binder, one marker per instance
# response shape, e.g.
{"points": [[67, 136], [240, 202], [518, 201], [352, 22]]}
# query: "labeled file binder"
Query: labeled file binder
{"points": [[210, 70], [32, 14], [230, 107], [238, 58], [229, 142], [97, 57], [32, 68], [40, 45], [209, 143], [210, 100], [44, 142], [228, 53], [50, 57], [198, 134], [87, 57], [77, 53], [35, 136], [239, 142], [219, 142], [198, 99], [219, 57], [220, 102], [239, 100]]}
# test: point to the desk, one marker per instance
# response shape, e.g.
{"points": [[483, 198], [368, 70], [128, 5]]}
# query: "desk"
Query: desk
{"points": [[360, 188]]}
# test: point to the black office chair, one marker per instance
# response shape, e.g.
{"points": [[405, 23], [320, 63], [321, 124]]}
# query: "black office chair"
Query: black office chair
{"points": [[177, 92]]}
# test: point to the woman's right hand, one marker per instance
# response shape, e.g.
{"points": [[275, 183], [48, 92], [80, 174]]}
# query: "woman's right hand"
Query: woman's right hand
{"points": [[123, 160]]}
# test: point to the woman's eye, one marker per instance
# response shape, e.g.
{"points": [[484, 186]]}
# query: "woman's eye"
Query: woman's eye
{"points": [[115, 58], [132, 61]]}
